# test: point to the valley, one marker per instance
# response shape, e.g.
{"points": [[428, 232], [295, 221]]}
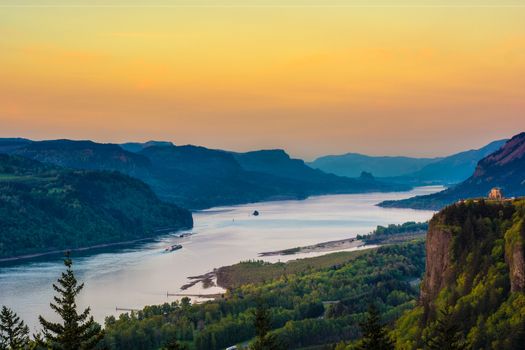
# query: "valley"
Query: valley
{"points": [[139, 276]]}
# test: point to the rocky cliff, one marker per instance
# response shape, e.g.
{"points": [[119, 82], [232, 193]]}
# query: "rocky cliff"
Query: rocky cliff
{"points": [[461, 232], [475, 272], [437, 260]]}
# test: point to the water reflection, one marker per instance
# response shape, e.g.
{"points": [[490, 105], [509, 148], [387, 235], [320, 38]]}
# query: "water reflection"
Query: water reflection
{"points": [[142, 274]]}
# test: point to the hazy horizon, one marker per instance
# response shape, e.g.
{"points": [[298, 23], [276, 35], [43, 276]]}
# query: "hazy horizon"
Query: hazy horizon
{"points": [[313, 77], [472, 147]]}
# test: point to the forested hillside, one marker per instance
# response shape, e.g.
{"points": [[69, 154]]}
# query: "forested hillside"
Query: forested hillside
{"points": [[44, 208], [197, 177], [311, 301], [473, 293]]}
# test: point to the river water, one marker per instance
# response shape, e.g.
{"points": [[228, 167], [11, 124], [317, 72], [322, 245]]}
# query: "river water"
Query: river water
{"points": [[143, 274]]}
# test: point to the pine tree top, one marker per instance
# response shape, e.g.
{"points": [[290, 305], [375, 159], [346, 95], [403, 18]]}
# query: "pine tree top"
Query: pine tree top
{"points": [[77, 330]]}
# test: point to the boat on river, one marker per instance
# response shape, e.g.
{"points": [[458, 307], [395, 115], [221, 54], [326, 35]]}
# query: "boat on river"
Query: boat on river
{"points": [[173, 248]]}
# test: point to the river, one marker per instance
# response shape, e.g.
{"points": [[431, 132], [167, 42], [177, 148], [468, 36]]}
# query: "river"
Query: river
{"points": [[143, 274]]}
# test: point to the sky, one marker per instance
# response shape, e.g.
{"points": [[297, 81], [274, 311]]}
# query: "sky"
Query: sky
{"points": [[315, 77]]}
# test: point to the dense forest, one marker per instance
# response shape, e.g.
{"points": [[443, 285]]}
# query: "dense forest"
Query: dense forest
{"points": [[45, 208], [474, 284], [307, 304], [394, 232]]}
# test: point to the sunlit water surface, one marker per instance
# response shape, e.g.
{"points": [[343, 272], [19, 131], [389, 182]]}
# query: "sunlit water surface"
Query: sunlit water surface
{"points": [[143, 274]]}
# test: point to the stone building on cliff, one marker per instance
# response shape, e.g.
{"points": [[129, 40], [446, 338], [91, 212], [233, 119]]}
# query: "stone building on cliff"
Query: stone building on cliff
{"points": [[495, 194]]}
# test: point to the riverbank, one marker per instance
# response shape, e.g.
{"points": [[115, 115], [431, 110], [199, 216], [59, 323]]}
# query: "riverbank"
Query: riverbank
{"points": [[256, 271], [80, 249], [331, 246]]}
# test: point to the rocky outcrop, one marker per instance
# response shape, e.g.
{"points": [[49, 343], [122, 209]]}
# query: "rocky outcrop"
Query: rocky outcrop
{"points": [[517, 270], [475, 275], [515, 255], [440, 263], [437, 260]]}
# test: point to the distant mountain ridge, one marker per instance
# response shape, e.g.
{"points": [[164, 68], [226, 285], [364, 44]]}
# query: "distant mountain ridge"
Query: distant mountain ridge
{"points": [[84, 155], [278, 163], [454, 168], [352, 164], [139, 146], [415, 171], [504, 168], [45, 207], [197, 177], [10, 144]]}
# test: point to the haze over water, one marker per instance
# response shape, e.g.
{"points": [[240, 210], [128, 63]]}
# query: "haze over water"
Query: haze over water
{"points": [[133, 278]]}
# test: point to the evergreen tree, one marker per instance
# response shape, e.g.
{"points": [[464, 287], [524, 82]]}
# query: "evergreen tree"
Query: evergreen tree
{"points": [[262, 320], [264, 340], [14, 334], [76, 331], [375, 336], [174, 345], [446, 335]]}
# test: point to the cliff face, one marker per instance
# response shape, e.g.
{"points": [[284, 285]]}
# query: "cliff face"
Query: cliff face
{"points": [[517, 269], [457, 237], [514, 252], [475, 273], [437, 260]]}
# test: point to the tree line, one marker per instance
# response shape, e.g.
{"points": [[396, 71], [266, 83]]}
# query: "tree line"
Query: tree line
{"points": [[289, 318], [77, 330]]}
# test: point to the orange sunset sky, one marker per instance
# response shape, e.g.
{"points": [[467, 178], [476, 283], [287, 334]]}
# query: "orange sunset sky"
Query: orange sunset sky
{"points": [[316, 77]]}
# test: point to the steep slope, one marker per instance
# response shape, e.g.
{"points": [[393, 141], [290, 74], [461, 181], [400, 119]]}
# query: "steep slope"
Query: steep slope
{"points": [[475, 274], [352, 164], [504, 168], [416, 171], [85, 155], [278, 163], [455, 168], [44, 207], [197, 177], [10, 144], [193, 160]]}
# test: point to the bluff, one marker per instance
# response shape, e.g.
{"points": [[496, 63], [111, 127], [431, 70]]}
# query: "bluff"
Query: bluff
{"points": [[87, 155], [45, 208], [475, 274]]}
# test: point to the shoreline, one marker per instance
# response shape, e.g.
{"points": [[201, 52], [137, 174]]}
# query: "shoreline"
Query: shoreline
{"points": [[330, 246], [80, 249], [210, 279]]}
